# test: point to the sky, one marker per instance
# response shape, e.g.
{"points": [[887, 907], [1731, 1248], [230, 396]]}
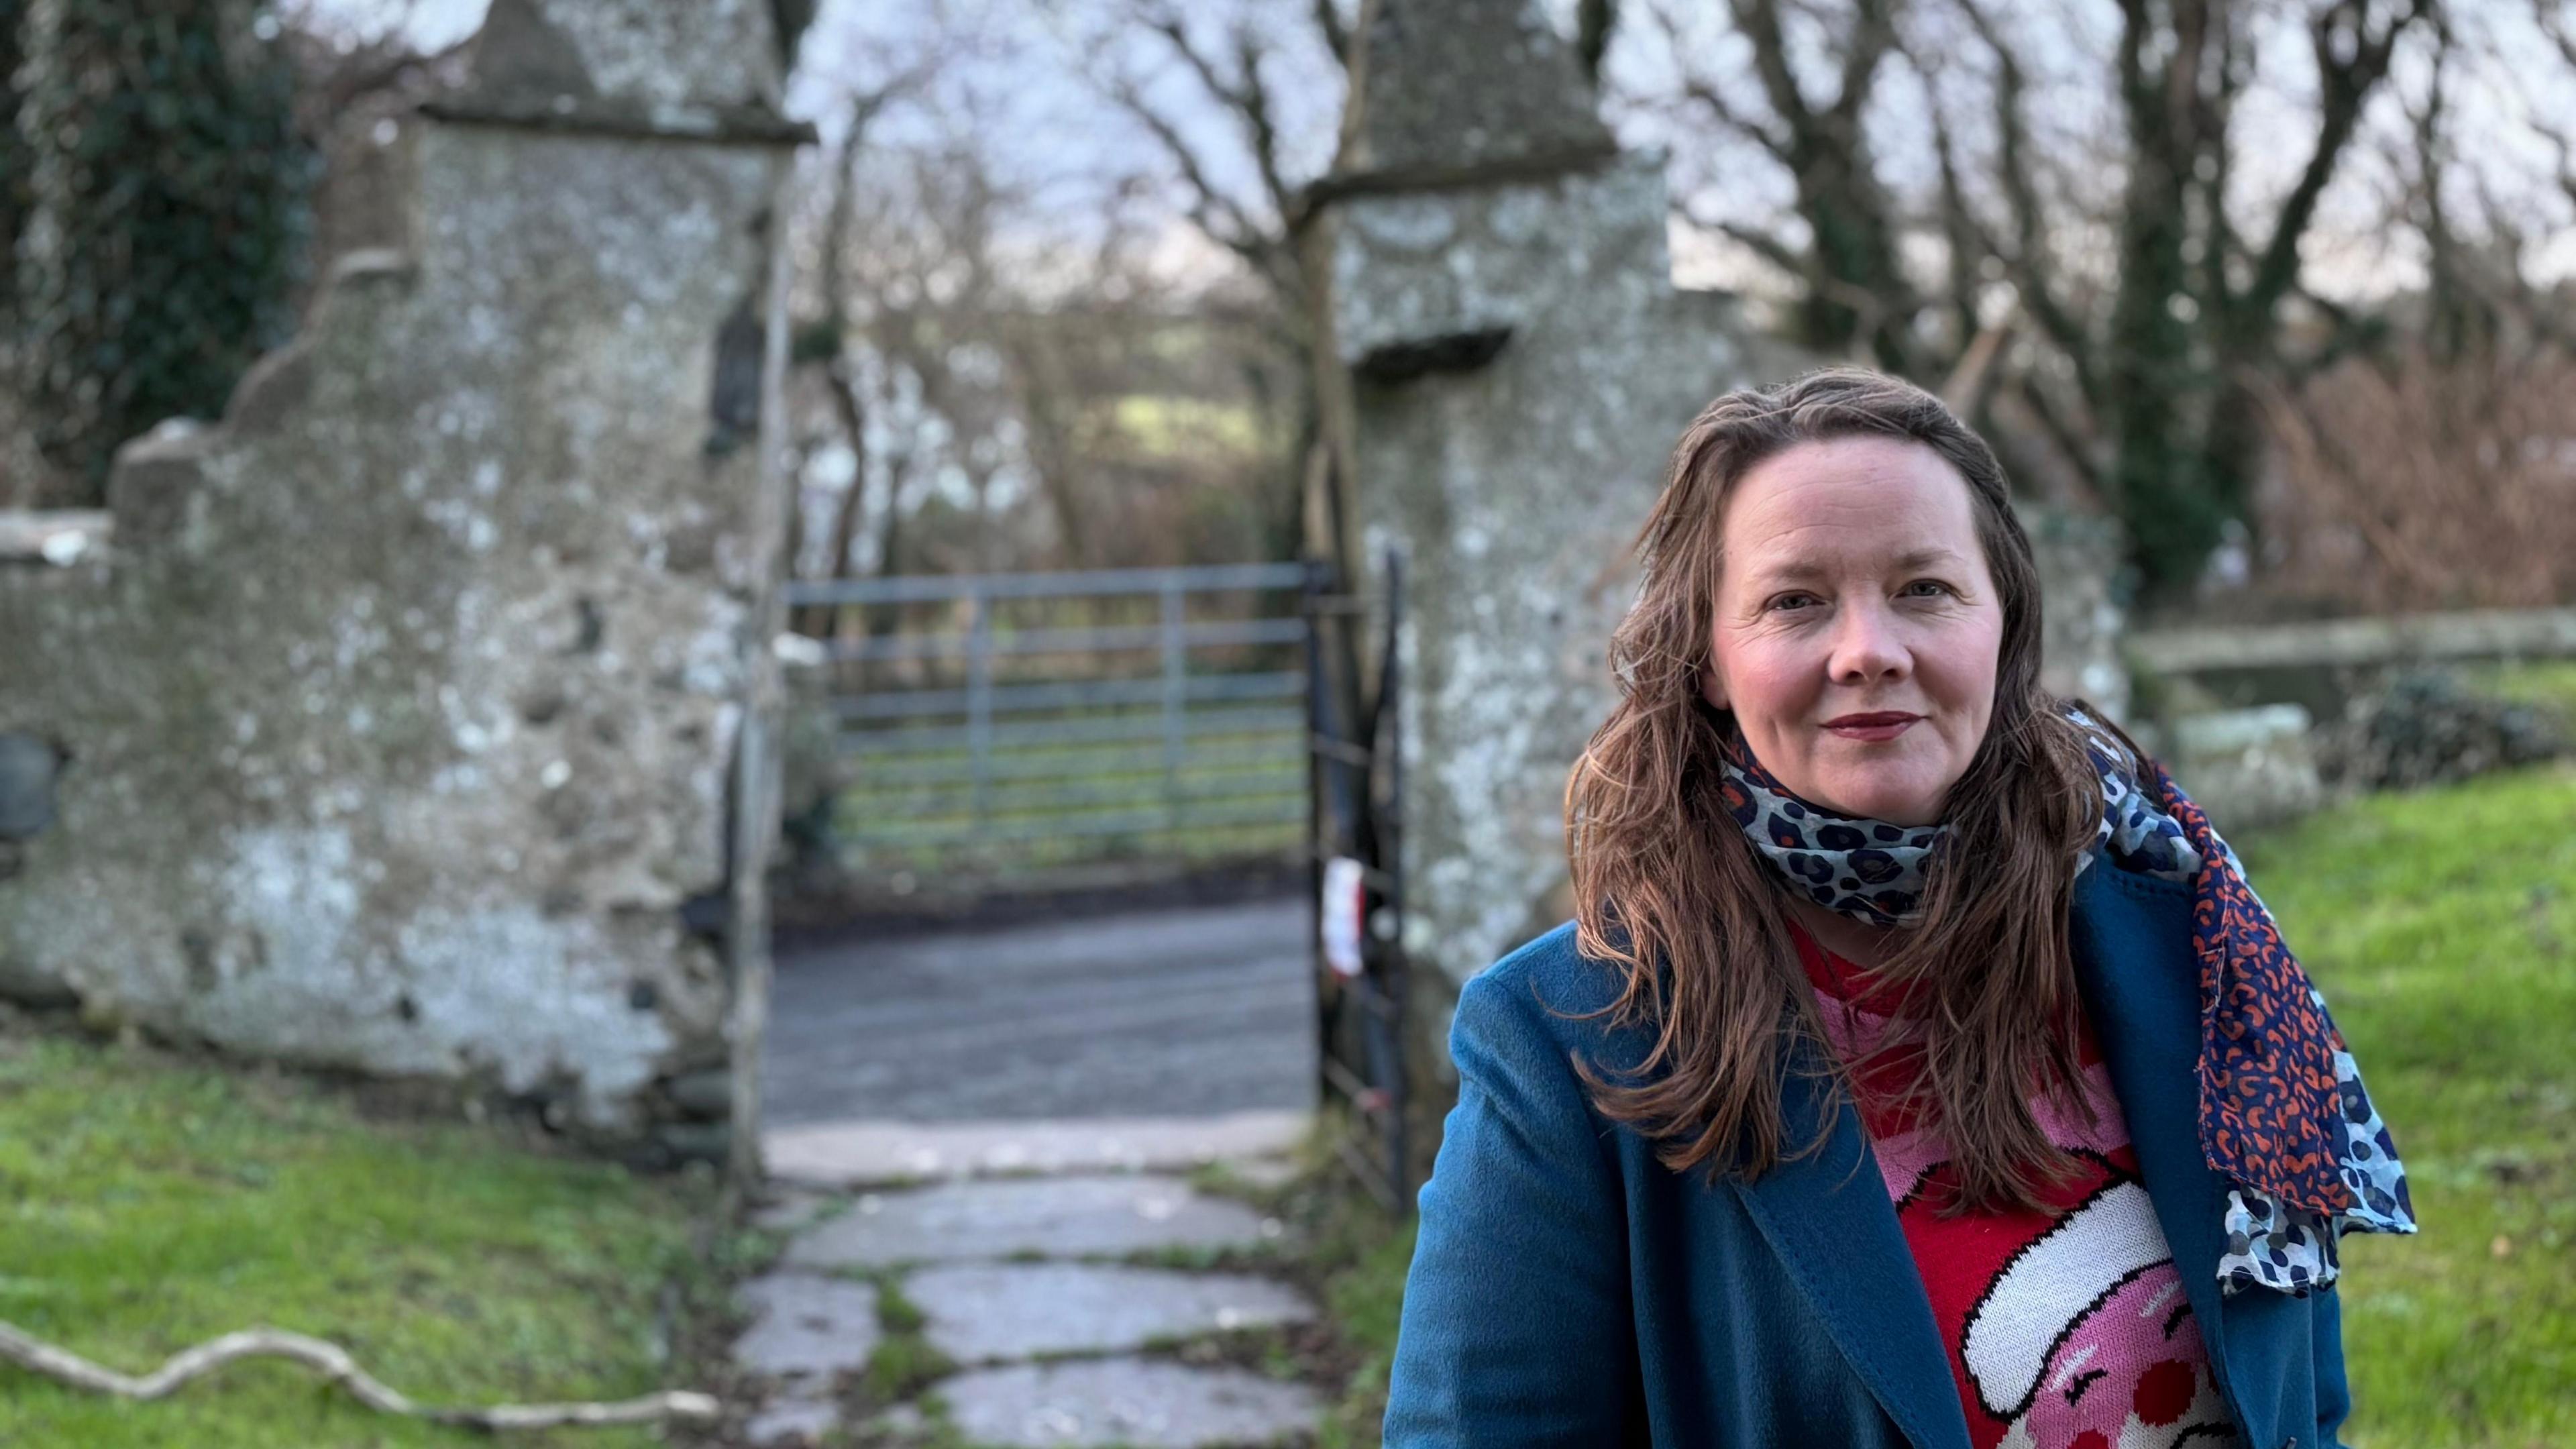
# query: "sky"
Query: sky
{"points": [[1014, 70], [433, 24]]}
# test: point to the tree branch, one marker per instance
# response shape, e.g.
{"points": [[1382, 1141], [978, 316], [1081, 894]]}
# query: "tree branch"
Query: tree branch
{"points": [[2345, 83], [333, 1363], [2071, 440], [1965, 238], [1210, 209], [1253, 103], [2215, 113], [1770, 248], [1221, 216], [1873, 35], [1760, 23], [1718, 106], [1698, 87], [1337, 36], [2027, 258], [865, 107], [2552, 19], [1593, 22]]}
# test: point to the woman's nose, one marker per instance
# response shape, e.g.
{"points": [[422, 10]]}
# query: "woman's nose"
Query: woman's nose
{"points": [[1866, 646]]}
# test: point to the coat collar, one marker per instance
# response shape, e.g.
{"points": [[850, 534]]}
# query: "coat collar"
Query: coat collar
{"points": [[1828, 1217]]}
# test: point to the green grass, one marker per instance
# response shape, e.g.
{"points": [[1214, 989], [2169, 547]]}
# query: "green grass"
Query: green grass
{"points": [[2551, 684], [1145, 426], [148, 1204], [2441, 925], [1242, 775], [1365, 1297], [903, 1364]]}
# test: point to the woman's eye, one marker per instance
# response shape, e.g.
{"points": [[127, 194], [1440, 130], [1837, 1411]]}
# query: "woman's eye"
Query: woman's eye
{"points": [[1786, 600], [1932, 583]]}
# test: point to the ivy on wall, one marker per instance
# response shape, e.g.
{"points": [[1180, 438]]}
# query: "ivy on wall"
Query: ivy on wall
{"points": [[155, 195]]}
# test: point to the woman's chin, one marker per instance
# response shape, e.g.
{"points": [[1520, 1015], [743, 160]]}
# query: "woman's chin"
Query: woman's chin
{"points": [[1894, 802]]}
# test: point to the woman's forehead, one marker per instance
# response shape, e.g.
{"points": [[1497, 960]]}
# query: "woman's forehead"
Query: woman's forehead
{"points": [[1847, 472], [1851, 503]]}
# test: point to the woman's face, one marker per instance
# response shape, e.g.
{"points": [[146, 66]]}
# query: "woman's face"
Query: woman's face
{"points": [[1851, 586]]}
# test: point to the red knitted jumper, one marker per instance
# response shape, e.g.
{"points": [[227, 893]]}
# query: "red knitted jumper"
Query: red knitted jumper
{"points": [[2066, 1329]]}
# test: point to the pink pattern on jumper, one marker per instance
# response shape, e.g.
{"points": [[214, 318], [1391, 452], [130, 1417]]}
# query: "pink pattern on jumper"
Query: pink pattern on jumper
{"points": [[2071, 1333]]}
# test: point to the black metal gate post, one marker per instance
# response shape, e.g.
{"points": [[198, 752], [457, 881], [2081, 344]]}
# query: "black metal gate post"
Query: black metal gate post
{"points": [[1357, 772]]}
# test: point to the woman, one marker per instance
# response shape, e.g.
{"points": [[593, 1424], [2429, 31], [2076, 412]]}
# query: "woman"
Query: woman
{"points": [[1919, 1068]]}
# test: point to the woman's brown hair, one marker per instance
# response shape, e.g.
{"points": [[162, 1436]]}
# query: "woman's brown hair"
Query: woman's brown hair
{"points": [[1668, 889]]}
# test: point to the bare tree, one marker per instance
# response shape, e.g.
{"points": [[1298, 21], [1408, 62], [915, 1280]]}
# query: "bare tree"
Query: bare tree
{"points": [[2419, 480], [2140, 365], [991, 377], [827, 340], [1259, 219], [1852, 290]]}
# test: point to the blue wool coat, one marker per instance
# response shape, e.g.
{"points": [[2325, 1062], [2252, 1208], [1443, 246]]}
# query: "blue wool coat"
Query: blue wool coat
{"points": [[1567, 1289]]}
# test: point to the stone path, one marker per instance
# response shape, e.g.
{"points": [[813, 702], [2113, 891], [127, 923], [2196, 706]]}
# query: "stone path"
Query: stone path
{"points": [[1041, 1090], [1026, 1297]]}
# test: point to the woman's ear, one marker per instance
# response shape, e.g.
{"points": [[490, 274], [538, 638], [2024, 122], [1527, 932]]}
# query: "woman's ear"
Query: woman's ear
{"points": [[1711, 688]]}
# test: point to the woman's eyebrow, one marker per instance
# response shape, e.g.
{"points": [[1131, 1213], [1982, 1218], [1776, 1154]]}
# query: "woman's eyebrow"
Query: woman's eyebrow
{"points": [[1808, 568]]}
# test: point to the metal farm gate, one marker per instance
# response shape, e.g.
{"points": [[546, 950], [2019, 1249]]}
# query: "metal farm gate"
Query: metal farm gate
{"points": [[1012, 725], [1019, 723]]}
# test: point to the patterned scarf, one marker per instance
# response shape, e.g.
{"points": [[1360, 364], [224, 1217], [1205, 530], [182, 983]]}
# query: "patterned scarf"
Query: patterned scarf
{"points": [[2283, 1115]]}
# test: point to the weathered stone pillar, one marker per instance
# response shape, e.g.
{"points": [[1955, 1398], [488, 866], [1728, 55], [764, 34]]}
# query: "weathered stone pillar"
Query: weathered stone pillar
{"points": [[2080, 557], [1507, 369], [402, 724]]}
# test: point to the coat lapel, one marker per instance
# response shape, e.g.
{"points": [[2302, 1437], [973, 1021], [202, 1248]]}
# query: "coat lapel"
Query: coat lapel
{"points": [[2133, 965], [1828, 1217]]}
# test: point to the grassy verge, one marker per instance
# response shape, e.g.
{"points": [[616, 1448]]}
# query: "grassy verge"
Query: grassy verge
{"points": [[1348, 1255], [2441, 925], [148, 1203], [1364, 1295]]}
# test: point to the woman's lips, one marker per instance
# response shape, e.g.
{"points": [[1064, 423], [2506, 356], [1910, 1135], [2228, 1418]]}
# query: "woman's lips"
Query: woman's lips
{"points": [[1888, 730]]}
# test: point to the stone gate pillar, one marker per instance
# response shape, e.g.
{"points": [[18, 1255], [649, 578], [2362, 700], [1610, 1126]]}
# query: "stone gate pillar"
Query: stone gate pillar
{"points": [[411, 720], [1507, 367]]}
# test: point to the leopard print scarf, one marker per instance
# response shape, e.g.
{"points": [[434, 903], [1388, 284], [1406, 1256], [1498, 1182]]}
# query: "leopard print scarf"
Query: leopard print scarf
{"points": [[2283, 1114]]}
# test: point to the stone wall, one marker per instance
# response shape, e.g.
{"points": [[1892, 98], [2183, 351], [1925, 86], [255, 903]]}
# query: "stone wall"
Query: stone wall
{"points": [[395, 726]]}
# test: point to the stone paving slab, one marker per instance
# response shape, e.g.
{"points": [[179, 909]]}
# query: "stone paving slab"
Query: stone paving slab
{"points": [[864, 1151], [1058, 1216], [1145, 1403], [978, 1313], [805, 1326]]}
